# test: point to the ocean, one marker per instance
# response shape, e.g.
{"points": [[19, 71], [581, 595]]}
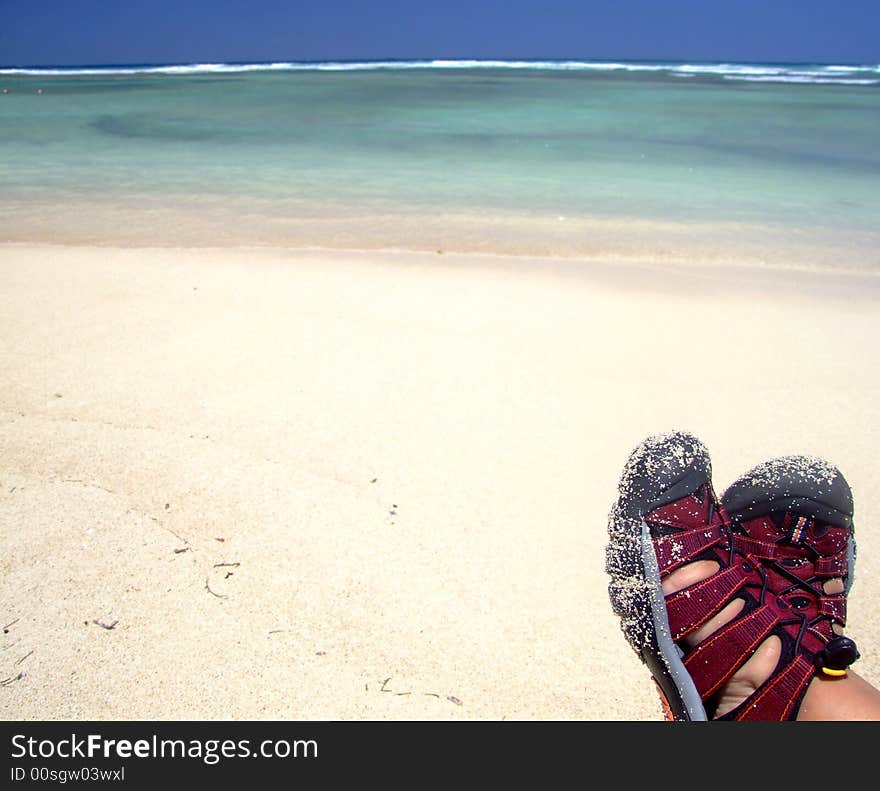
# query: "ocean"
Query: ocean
{"points": [[558, 157]]}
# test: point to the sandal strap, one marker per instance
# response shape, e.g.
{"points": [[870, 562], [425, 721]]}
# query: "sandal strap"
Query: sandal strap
{"points": [[718, 657], [689, 608], [833, 566], [676, 549], [766, 550], [779, 697], [834, 607], [836, 565]]}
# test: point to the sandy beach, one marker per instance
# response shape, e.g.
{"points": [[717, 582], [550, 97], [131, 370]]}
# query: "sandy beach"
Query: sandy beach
{"points": [[264, 483]]}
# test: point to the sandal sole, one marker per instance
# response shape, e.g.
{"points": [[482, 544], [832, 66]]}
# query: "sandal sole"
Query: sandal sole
{"points": [[635, 589]]}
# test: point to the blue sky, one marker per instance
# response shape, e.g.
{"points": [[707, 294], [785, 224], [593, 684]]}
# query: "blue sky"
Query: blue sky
{"points": [[93, 32]]}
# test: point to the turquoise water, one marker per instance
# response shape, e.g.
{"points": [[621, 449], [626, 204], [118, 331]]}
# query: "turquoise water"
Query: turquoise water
{"points": [[794, 146]]}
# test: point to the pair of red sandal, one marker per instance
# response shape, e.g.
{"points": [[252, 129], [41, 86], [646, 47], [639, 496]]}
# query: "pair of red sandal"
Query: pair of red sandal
{"points": [[778, 535]]}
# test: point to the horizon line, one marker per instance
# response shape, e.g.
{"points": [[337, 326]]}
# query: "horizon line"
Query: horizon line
{"points": [[437, 61]]}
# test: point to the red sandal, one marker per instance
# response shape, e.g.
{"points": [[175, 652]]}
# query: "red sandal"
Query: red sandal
{"points": [[795, 514], [667, 515]]}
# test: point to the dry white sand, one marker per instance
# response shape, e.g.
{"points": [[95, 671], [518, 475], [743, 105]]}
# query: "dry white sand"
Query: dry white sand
{"points": [[339, 485]]}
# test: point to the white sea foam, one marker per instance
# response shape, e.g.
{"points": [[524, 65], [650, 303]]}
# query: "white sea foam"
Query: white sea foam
{"points": [[727, 68], [756, 72], [193, 68], [795, 78]]}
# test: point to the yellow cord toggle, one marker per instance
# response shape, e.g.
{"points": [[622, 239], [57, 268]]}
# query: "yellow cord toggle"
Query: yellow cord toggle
{"points": [[828, 671]]}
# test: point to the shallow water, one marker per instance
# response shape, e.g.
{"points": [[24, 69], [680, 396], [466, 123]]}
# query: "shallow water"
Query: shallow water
{"points": [[790, 147]]}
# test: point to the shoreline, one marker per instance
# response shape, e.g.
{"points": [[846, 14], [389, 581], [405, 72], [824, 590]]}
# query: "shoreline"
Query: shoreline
{"points": [[642, 272], [192, 222]]}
